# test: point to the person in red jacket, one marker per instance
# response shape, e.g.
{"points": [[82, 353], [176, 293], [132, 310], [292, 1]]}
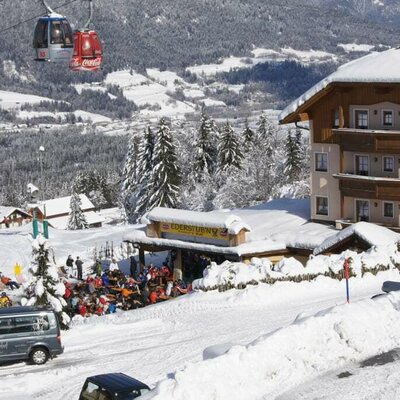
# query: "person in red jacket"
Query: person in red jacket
{"points": [[153, 297], [8, 282]]}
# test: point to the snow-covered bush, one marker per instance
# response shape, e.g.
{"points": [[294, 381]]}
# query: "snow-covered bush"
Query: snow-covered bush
{"points": [[231, 275], [44, 286]]}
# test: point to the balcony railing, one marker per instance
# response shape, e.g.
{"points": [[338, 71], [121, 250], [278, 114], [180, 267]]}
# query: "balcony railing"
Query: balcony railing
{"points": [[369, 187], [367, 140]]}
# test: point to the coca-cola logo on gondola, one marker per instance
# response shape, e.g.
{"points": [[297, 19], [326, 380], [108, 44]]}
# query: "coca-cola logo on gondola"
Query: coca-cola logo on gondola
{"points": [[89, 64], [166, 226]]}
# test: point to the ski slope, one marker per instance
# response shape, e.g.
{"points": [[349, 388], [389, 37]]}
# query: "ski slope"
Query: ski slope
{"points": [[152, 343]]}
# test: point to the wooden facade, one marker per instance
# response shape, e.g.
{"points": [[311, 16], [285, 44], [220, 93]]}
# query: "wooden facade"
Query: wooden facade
{"points": [[335, 131], [15, 218]]}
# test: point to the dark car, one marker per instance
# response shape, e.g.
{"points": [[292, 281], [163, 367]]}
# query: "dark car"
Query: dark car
{"points": [[29, 333], [112, 387]]}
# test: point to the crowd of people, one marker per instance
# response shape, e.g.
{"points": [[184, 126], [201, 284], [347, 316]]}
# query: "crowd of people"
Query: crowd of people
{"points": [[105, 291]]}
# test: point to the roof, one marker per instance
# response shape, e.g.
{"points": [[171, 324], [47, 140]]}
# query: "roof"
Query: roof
{"points": [[21, 310], [372, 234], [117, 382], [214, 219], [7, 211], [274, 226], [61, 205], [373, 68], [62, 222]]}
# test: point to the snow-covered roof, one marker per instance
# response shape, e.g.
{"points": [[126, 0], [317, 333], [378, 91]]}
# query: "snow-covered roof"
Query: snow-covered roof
{"points": [[61, 205], [274, 226], [374, 235], [5, 212], [380, 67], [91, 217], [216, 219]]}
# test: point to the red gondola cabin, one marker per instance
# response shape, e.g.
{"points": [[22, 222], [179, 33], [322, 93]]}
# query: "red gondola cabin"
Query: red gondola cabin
{"points": [[88, 52]]}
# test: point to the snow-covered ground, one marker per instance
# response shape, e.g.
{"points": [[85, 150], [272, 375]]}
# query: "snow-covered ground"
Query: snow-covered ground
{"points": [[152, 343], [12, 100]]}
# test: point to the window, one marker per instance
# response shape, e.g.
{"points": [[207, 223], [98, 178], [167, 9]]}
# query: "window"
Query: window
{"points": [[361, 119], [362, 210], [321, 162], [56, 33], [322, 205], [336, 121], [362, 165], [387, 117], [40, 37], [5, 326], [388, 164], [388, 209], [35, 323]]}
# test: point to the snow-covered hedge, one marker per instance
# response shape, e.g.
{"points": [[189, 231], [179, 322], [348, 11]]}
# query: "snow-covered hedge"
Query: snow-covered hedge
{"points": [[279, 361], [230, 275]]}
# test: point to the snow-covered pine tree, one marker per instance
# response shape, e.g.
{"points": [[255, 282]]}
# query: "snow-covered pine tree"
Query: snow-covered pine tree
{"points": [[129, 177], [229, 151], [248, 136], [77, 219], [206, 146], [45, 287], [144, 172], [266, 134], [164, 189], [294, 157]]}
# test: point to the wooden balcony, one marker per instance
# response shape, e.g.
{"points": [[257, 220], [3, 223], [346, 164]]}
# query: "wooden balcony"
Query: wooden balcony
{"points": [[367, 140], [369, 187]]}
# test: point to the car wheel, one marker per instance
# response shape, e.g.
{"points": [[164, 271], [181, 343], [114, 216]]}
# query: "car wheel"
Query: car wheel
{"points": [[39, 356]]}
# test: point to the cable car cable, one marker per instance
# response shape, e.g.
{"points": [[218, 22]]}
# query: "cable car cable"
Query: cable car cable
{"points": [[35, 17]]}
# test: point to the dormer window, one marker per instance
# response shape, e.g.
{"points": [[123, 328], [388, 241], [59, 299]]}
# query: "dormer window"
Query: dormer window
{"points": [[387, 118], [361, 119]]}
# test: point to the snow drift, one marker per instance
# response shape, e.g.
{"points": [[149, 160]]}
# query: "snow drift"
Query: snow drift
{"points": [[237, 275], [276, 362]]}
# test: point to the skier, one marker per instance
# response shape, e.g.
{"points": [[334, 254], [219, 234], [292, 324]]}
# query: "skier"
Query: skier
{"points": [[79, 264], [113, 266], [70, 266], [8, 282], [5, 300], [98, 268]]}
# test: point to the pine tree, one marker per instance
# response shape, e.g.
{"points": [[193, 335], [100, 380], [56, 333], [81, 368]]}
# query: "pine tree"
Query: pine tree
{"points": [[229, 152], [164, 189], [77, 219], [293, 156], [144, 171], [206, 146], [130, 178], [266, 133], [248, 136], [45, 287]]}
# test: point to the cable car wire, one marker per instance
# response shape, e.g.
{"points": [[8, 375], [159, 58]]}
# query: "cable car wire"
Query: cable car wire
{"points": [[35, 17]]}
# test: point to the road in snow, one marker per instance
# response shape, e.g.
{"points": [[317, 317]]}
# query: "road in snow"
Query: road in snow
{"points": [[155, 341]]}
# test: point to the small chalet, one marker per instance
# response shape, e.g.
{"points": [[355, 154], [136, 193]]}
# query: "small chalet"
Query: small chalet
{"points": [[56, 211], [276, 229], [11, 217]]}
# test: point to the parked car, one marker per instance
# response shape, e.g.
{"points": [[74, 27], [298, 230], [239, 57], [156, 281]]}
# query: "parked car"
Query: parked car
{"points": [[112, 387], [29, 333]]}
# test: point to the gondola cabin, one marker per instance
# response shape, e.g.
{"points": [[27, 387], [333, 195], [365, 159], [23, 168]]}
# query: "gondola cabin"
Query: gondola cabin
{"points": [[53, 39], [88, 52]]}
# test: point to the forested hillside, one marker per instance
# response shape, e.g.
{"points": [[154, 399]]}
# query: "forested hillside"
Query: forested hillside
{"points": [[178, 33]]}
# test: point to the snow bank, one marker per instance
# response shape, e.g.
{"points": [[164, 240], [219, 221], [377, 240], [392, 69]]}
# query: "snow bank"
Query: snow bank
{"points": [[237, 275], [276, 362], [234, 274]]}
